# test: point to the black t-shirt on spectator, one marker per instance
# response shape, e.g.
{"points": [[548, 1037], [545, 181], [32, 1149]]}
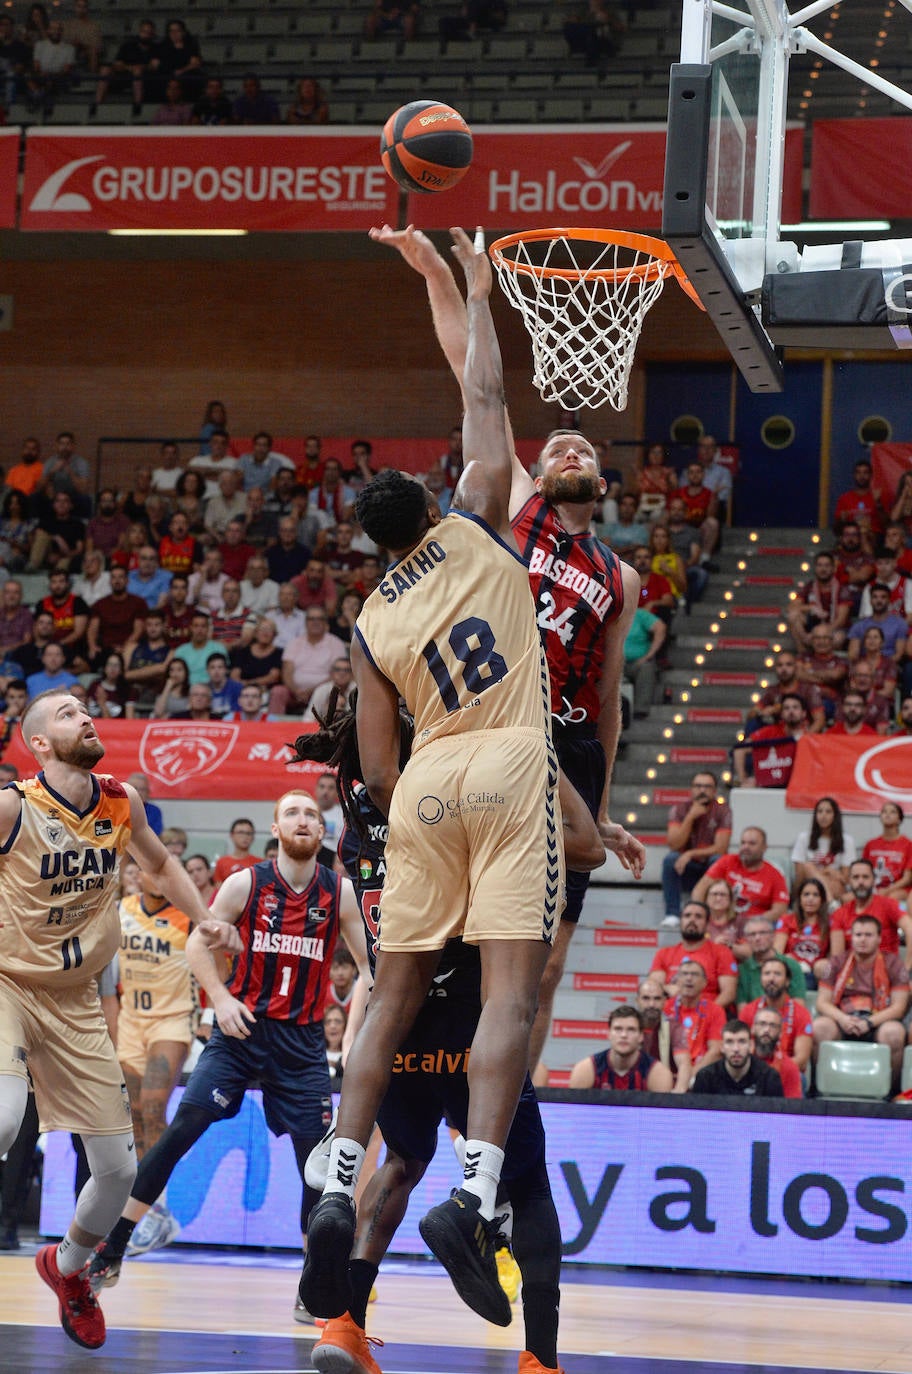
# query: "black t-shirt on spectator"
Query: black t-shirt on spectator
{"points": [[284, 564], [252, 667], [71, 530], [761, 1080]]}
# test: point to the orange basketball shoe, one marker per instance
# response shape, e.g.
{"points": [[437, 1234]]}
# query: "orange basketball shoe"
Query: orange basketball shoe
{"points": [[528, 1364], [344, 1348], [80, 1316]]}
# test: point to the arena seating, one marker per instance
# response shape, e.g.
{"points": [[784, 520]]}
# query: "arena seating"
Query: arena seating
{"points": [[849, 1070], [528, 62]]}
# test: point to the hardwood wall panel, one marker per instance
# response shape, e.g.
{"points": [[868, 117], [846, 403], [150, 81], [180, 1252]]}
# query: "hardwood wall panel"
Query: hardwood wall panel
{"points": [[138, 347]]}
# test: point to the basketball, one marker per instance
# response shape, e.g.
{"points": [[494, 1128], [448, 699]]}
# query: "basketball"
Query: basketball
{"points": [[426, 146]]}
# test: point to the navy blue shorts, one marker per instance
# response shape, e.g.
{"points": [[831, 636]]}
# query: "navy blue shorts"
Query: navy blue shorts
{"points": [[582, 758], [429, 1084], [288, 1062]]}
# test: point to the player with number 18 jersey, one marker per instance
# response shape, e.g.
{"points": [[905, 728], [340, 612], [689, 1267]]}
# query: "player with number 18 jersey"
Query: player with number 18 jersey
{"points": [[483, 765]]}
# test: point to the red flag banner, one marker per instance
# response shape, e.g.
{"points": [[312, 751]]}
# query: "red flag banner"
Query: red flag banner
{"points": [[9, 176], [203, 178], [855, 168], [861, 773], [587, 176], [198, 760], [889, 462]]}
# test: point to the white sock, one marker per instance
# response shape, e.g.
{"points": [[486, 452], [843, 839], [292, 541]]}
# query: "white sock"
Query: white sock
{"points": [[71, 1257], [459, 1149], [505, 1209], [345, 1160], [483, 1163]]}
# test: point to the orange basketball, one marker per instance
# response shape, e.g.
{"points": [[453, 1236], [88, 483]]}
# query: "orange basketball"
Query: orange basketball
{"points": [[426, 146]]}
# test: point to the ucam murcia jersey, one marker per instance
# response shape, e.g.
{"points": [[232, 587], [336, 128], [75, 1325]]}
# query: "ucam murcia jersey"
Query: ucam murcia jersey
{"points": [[283, 970], [577, 583], [456, 670], [60, 883], [154, 972]]}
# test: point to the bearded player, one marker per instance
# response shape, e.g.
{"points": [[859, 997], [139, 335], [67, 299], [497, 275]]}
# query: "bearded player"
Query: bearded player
{"points": [[585, 598]]}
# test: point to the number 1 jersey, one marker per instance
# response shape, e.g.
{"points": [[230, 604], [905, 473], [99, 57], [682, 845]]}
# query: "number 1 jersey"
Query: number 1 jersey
{"points": [[452, 626]]}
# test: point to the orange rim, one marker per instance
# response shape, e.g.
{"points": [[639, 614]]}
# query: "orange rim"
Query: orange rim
{"points": [[664, 258]]}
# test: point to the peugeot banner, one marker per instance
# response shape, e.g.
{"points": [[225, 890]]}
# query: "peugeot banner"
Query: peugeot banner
{"points": [[198, 760], [201, 178]]}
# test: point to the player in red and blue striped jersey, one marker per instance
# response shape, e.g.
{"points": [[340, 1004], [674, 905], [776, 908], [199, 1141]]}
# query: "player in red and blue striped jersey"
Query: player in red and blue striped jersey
{"points": [[288, 913]]}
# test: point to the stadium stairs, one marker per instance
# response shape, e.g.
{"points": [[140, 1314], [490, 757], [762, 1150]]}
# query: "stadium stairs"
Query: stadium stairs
{"points": [[722, 657]]}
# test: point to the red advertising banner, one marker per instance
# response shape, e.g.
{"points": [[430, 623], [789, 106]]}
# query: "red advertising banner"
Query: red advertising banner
{"points": [[309, 180], [856, 168], [889, 462], [197, 760], [586, 176], [408, 455], [861, 773], [9, 176], [203, 178]]}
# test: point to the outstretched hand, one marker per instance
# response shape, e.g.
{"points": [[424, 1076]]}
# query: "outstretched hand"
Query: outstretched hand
{"points": [[414, 246], [628, 849], [221, 935], [475, 264]]}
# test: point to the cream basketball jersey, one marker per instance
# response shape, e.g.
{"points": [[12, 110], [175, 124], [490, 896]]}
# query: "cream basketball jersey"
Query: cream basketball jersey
{"points": [[154, 972], [59, 883], [452, 626]]}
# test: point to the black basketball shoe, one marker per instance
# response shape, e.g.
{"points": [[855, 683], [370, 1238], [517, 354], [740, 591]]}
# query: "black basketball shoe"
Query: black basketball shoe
{"points": [[324, 1288], [466, 1244]]}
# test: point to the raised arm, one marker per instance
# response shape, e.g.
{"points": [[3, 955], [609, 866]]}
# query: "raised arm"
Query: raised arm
{"points": [[484, 487], [448, 311]]}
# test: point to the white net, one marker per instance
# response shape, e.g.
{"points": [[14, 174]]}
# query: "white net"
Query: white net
{"points": [[583, 303]]}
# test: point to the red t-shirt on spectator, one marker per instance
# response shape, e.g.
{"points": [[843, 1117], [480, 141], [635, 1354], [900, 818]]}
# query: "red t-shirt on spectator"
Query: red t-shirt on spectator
{"points": [[788, 1071], [804, 943], [226, 865], [717, 960], [696, 505], [860, 506], [840, 729], [755, 890], [773, 753], [700, 1024], [796, 1020], [654, 588], [884, 909], [890, 858]]}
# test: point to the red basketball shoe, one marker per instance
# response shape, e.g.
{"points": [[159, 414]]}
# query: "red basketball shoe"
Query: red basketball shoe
{"points": [[80, 1316]]}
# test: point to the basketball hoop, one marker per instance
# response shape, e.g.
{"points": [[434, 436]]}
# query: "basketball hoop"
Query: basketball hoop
{"points": [[583, 295]]}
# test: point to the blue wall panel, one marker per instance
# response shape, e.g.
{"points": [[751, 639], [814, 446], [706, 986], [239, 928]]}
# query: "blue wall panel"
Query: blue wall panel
{"points": [[861, 389]]}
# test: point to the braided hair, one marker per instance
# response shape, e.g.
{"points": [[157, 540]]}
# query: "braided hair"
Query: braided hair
{"points": [[335, 745]]}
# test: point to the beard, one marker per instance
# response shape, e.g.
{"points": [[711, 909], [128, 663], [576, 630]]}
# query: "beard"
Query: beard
{"points": [[80, 753], [765, 1046], [299, 850], [651, 1017], [571, 488]]}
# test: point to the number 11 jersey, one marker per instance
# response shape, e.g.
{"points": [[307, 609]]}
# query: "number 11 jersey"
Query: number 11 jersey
{"points": [[452, 626], [60, 884]]}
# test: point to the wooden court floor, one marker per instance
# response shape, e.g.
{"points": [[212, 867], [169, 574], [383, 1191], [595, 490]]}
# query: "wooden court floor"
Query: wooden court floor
{"points": [[191, 1312]]}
